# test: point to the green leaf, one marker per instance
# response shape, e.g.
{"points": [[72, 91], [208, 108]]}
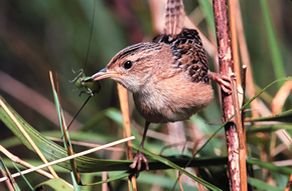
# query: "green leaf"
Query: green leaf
{"points": [[271, 167], [115, 115], [55, 184], [162, 181], [53, 151], [181, 169], [260, 185], [270, 128], [285, 116], [113, 178]]}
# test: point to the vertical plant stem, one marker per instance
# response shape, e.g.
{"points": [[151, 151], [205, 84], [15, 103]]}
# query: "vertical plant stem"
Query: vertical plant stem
{"points": [[238, 96], [236, 168], [104, 186], [234, 44], [64, 129], [124, 104]]}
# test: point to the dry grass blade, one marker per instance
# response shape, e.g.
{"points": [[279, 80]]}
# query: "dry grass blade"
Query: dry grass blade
{"points": [[10, 182], [234, 42], [25, 134], [69, 157], [23, 163], [238, 95], [281, 97], [88, 144]]}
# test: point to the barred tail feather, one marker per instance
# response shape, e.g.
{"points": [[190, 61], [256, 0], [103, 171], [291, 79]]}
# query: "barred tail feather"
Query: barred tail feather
{"points": [[174, 17]]}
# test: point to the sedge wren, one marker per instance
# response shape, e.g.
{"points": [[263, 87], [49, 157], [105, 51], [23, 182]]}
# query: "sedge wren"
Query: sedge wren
{"points": [[169, 78]]}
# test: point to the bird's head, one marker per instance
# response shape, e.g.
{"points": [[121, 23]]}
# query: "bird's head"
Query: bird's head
{"points": [[132, 67]]}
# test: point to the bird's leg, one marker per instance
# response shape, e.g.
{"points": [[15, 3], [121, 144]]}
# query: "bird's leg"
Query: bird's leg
{"points": [[223, 81], [140, 162]]}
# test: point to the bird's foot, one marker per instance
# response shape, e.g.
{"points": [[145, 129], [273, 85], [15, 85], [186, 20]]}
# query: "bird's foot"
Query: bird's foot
{"points": [[139, 164], [223, 81]]}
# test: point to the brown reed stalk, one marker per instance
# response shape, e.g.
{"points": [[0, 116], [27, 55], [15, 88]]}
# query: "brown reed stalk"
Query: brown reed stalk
{"points": [[124, 104], [236, 165]]}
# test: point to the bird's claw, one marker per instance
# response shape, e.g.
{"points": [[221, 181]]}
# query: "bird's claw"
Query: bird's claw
{"points": [[139, 164], [223, 81], [225, 84]]}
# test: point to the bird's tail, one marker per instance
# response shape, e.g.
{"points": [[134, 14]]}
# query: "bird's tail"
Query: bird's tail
{"points": [[174, 17]]}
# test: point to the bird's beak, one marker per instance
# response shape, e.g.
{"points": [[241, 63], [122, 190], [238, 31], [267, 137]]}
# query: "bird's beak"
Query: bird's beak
{"points": [[102, 74]]}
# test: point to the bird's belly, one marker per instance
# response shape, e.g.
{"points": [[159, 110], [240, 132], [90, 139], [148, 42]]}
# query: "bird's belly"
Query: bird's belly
{"points": [[156, 112], [170, 106], [156, 116]]}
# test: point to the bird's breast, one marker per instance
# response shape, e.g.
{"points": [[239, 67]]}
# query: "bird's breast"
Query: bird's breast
{"points": [[155, 110], [171, 102]]}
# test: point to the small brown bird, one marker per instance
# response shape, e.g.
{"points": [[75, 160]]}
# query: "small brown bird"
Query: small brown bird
{"points": [[169, 79]]}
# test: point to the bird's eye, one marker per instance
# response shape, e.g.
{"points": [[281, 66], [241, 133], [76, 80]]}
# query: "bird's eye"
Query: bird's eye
{"points": [[128, 64]]}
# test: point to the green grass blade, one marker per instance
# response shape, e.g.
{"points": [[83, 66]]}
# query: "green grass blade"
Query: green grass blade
{"points": [[181, 169], [271, 167], [24, 178], [53, 151], [260, 185], [65, 136], [285, 117], [114, 178], [269, 128], [56, 184], [277, 61]]}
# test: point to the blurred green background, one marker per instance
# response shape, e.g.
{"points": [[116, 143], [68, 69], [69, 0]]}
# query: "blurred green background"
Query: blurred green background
{"points": [[38, 36], [64, 36]]}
